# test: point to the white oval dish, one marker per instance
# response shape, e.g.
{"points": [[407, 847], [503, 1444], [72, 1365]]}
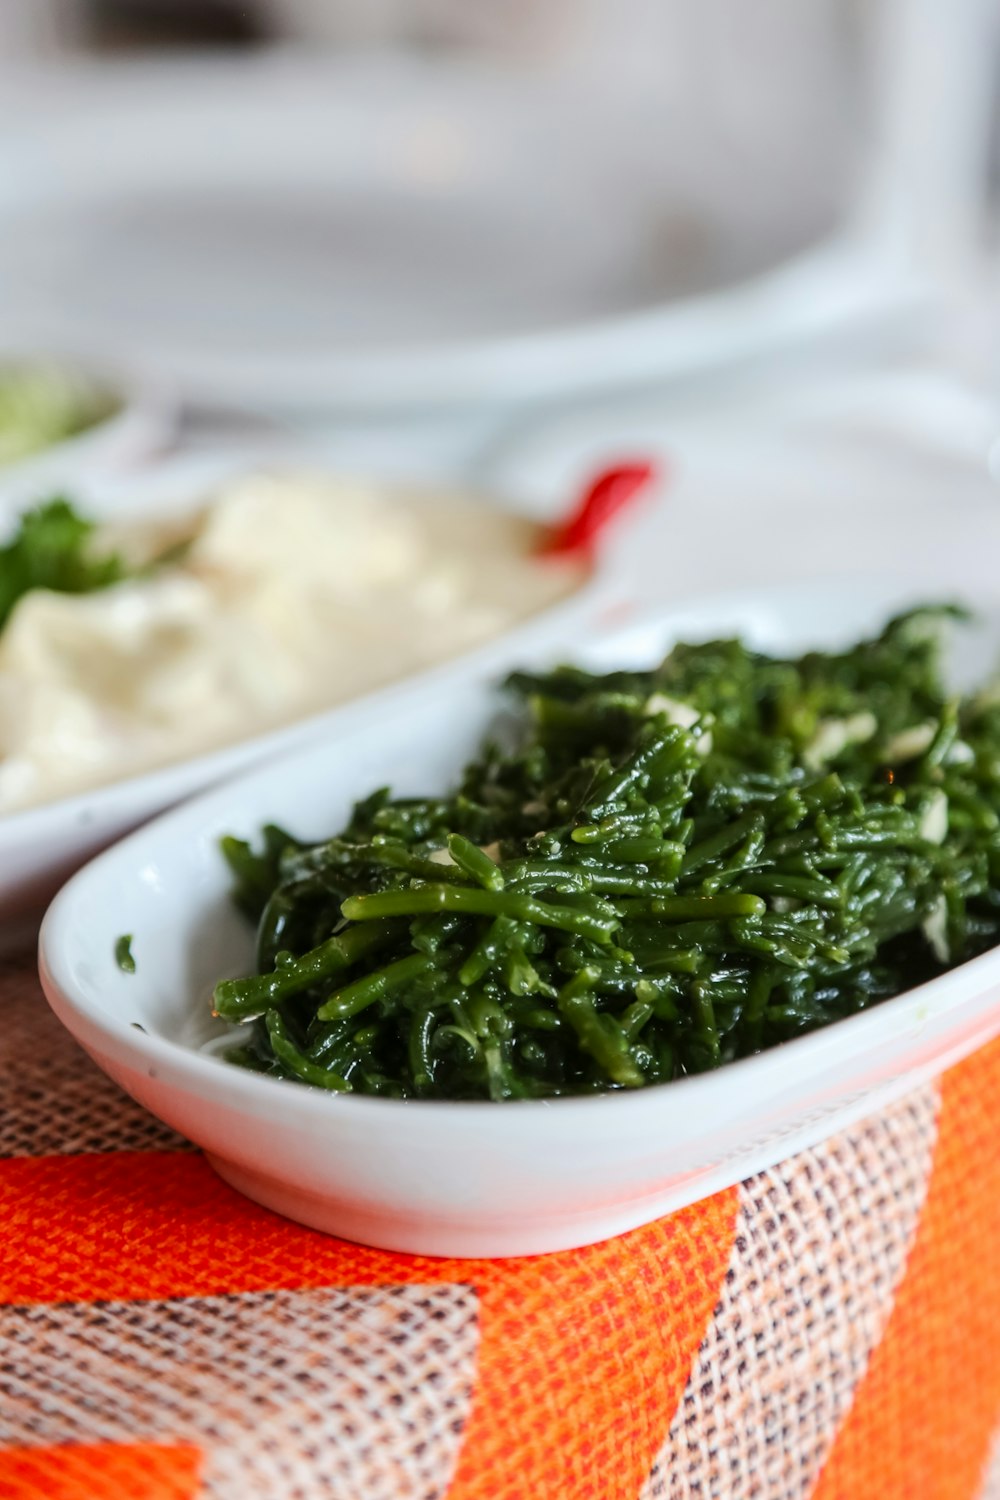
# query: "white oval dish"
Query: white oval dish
{"points": [[142, 423], [361, 234], [466, 1179], [41, 845]]}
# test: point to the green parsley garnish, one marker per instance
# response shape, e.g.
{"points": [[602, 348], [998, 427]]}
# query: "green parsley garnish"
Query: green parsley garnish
{"points": [[51, 550]]}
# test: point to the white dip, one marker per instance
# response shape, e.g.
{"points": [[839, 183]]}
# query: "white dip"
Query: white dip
{"points": [[296, 592]]}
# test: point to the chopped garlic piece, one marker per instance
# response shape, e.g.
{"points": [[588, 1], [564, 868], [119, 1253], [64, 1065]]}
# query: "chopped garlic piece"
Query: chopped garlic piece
{"points": [[909, 743], [834, 735], [934, 823], [935, 930], [681, 714]]}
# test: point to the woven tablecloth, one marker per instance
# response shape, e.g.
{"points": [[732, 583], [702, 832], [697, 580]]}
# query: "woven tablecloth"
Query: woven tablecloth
{"points": [[829, 1329]]}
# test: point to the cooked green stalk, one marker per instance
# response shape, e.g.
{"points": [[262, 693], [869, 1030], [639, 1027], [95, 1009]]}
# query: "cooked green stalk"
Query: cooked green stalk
{"points": [[124, 957], [673, 869]]}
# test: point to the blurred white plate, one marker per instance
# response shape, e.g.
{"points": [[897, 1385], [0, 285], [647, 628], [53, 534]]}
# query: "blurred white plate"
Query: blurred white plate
{"points": [[836, 476], [444, 1178], [363, 235]]}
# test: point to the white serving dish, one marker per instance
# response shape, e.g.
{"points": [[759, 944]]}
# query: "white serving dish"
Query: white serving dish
{"points": [[467, 1179], [142, 425], [41, 845], [384, 233]]}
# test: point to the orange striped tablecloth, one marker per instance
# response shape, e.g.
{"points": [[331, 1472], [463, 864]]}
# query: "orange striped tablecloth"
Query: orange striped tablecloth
{"points": [[829, 1329]]}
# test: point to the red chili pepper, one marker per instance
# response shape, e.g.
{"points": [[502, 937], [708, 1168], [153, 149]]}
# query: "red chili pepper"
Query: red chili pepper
{"points": [[604, 497]]}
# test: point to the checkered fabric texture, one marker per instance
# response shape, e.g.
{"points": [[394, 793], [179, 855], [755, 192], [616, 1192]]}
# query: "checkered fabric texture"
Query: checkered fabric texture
{"points": [[828, 1330]]}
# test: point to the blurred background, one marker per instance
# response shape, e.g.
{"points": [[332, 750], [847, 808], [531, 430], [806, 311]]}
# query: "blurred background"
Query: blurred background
{"points": [[457, 216]]}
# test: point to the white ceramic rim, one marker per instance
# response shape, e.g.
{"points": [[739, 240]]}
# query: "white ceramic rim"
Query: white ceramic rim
{"points": [[845, 288], [243, 1085]]}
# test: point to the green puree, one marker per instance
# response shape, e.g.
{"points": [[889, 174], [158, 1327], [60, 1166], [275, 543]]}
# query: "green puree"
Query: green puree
{"points": [[42, 404], [671, 869]]}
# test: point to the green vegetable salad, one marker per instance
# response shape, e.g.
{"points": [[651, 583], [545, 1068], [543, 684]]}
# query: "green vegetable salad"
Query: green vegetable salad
{"points": [[43, 404], [672, 869]]}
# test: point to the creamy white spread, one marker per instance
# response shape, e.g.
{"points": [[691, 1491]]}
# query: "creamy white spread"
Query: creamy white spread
{"points": [[296, 592]]}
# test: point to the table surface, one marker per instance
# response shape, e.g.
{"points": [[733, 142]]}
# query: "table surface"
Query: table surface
{"points": [[798, 1335]]}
